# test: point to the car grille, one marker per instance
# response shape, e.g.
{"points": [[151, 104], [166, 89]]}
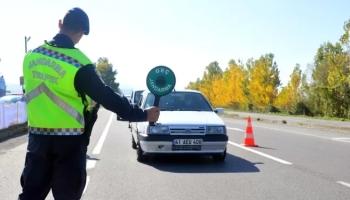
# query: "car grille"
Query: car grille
{"points": [[199, 130]]}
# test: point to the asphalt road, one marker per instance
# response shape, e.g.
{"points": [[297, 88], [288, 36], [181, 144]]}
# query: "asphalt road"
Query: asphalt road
{"points": [[290, 163]]}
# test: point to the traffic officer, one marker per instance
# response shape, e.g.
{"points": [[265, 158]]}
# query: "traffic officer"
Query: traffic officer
{"points": [[61, 85]]}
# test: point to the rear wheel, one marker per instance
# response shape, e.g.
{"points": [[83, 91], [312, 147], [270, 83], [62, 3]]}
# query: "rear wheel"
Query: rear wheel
{"points": [[220, 157]]}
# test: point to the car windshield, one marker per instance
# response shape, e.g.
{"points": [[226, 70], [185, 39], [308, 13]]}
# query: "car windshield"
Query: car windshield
{"points": [[180, 101]]}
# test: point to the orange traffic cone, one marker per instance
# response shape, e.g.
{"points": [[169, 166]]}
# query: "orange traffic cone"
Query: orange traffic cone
{"points": [[249, 137]]}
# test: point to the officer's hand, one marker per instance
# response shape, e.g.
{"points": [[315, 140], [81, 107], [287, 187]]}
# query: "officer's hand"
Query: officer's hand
{"points": [[153, 114]]}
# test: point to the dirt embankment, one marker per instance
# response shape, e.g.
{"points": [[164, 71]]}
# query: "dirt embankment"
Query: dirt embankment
{"points": [[343, 126], [13, 131]]}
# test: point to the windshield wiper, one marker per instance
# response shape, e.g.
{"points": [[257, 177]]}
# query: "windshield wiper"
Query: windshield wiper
{"points": [[182, 109], [168, 109]]}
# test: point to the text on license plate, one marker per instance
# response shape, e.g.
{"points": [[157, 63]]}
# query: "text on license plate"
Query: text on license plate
{"points": [[187, 141]]}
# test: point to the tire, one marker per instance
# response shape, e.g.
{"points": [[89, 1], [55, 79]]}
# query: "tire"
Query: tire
{"points": [[133, 143], [140, 154], [220, 157]]}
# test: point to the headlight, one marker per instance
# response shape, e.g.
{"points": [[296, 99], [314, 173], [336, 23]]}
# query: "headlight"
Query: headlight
{"points": [[216, 130], [158, 129]]}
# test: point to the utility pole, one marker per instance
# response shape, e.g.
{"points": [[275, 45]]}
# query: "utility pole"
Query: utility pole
{"points": [[21, 80], [26, 40]]}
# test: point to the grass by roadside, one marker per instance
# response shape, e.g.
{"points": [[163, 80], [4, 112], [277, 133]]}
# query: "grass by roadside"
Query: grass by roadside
{"points": [[228, 111], [302, 121]]}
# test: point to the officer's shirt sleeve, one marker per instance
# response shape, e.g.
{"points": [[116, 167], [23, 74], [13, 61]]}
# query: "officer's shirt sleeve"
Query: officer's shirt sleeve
{"points": [[88, 82]]}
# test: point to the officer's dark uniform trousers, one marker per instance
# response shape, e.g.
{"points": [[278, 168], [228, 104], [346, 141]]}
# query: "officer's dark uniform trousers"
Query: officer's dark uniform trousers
{"points": [[63, 155]]}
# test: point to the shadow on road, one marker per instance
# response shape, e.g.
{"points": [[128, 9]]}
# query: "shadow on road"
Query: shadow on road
{"points": [[202, 164], [91, 158], [262, 147]]}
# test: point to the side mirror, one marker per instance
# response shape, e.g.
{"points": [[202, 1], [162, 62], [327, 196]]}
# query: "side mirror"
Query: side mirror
{"points": [[219, 111]]}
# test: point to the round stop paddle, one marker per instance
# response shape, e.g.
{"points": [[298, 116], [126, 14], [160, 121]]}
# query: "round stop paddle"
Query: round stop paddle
{"points": [[160, 81]]}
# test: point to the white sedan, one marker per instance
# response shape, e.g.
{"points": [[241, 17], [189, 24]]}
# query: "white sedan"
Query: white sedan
{"points": [[187, 125]]}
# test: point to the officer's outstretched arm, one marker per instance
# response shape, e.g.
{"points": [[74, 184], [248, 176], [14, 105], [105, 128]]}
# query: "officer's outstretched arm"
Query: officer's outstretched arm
{"points": [[88, 82]]}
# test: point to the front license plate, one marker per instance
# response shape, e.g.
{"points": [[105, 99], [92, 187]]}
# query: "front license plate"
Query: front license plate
{"points": [[187, 142]]}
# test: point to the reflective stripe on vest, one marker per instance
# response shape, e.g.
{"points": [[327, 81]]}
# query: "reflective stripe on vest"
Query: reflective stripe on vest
{"points": [[57, 55], [55, 131], [42, 88]]}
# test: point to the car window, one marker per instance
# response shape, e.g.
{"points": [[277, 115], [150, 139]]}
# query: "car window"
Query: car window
{"points": [[183, 101], [140, 100], [137, 96]]}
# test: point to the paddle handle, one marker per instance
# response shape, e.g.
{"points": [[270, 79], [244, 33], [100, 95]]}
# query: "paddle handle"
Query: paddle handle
{"points": [[156, 103]]}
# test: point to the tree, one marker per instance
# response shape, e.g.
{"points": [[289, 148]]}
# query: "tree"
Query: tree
{"points": [[345, 37], [233, 86], [290, 96], [210, 85], [330, 87], [213, 71], [263, 82], [194, 85], [105, 69]]}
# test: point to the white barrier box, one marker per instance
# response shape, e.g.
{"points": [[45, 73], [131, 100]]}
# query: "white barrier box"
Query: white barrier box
{"points": [[12, 113], [2, 115], [22, 114]]}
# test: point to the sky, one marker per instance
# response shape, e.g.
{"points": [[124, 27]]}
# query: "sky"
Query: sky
{"points": [[185, 35]]}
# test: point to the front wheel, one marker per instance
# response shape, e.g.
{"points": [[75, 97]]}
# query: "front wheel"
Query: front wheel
{"points": [[133, 143], [140, 154], [220, 157]]}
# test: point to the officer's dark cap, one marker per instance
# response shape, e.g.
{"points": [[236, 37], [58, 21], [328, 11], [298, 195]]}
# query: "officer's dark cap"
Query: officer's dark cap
{"points": [[76, 19]]}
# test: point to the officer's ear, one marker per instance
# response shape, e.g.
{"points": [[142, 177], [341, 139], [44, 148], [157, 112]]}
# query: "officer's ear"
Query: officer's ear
{"points": [[60, 24]]}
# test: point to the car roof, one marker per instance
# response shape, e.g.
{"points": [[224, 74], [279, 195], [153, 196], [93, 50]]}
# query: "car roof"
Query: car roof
{"points": [[183, 90], [138, 90]]}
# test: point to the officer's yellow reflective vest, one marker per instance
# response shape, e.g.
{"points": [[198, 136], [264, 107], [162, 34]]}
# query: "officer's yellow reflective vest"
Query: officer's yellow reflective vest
{"points": [[54, 107]]}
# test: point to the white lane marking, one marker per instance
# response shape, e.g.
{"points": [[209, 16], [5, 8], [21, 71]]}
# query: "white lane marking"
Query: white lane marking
{"points": [[297, 133], [341, 139], [235, 129], [261, 153], [97, 150], [86, 184], [90, 164], [344, 183], [98, 147]]}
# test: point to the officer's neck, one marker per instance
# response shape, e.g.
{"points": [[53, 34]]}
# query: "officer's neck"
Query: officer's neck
{"points": [[75, 37]]}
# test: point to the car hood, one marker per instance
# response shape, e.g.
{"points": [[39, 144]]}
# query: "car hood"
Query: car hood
{"points": [[189, 117]]}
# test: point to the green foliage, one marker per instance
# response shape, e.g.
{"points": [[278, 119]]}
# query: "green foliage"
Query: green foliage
{"points": [[330, 88], [290, 95], [302, 109], [254, 85], [105, 69], [213, 71], [194, 85]]}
